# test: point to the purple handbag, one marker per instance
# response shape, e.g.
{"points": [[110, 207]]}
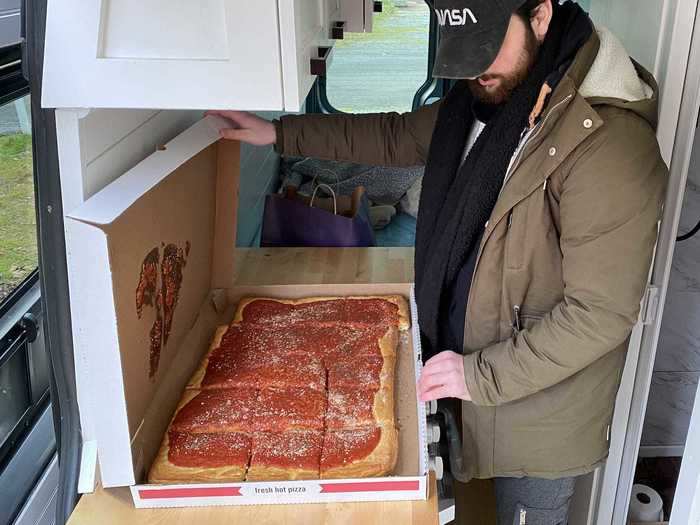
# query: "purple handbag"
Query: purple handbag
{"points": [[291, 220]]}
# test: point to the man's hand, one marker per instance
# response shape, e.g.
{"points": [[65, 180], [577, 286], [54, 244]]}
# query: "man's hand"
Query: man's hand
{"points": [[443, 376], [247, 127]]}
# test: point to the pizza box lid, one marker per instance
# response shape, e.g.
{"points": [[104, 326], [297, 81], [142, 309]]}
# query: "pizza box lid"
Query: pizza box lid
{"points": [[171, 217]]}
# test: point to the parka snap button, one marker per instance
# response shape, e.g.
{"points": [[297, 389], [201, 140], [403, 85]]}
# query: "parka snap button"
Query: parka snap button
{"points": [[588, 123], [552, 151]]}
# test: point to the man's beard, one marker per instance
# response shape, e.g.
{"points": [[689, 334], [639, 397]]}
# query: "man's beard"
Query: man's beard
{"points": [[508, 83]]}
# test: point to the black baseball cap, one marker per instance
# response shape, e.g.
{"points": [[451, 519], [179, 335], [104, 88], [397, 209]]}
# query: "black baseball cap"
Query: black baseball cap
{"points": [[471, 34]]}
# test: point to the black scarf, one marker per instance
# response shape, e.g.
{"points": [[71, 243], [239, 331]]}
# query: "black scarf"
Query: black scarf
{"points": [[456, 201]]}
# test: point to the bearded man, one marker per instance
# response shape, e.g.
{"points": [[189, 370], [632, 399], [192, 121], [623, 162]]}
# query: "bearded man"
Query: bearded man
{"points": [[538, 217]]}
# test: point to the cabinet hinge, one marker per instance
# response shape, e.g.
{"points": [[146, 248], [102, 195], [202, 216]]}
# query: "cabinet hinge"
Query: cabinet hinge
{"points": [[650, 304]]}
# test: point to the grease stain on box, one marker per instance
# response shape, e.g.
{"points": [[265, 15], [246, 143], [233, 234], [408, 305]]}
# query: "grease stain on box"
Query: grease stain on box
{"points": [[162, 296]]}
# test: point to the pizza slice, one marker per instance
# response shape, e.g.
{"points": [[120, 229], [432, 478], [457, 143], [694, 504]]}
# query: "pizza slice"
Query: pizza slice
{"points": [[359, 452], [281, 409], [205, 411], [226, 369], [349, 408], [361, 372], [248, 358], [285, 455], [350, 341], [186, 457]]}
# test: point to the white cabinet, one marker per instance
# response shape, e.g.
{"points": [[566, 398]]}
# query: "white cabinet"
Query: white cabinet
{"points": [[357, 15], [332, 12], [168, 54], [309, 22]]}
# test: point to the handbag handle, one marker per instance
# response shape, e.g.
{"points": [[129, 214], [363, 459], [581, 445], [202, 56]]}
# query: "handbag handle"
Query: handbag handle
{"points": [[318, 174], [337, 179], [335, 201]]}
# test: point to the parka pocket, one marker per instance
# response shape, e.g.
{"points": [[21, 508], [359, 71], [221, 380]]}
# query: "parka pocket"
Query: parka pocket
{"points": [[524, 319], [515, 237]]}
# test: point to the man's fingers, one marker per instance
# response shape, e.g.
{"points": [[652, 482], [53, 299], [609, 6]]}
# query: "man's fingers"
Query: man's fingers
{"points": [[451, 379], [430, 381], [226, 113], [442, 356], [235, 134], [218, 113], [438, 368], [235, 117], [436, 393]]}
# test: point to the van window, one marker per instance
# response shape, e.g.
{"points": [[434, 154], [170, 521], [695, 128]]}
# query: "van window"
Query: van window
{"points": [[27, 439], [18, 241], [382, 70]]}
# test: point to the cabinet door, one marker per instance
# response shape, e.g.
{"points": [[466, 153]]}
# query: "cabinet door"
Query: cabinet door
{"points": [[162, 54], [357, 15], [331, 13], [303, 29]]}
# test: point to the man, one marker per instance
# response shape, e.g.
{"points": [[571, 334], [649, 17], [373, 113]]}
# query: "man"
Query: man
{"points": [[538, 217]]}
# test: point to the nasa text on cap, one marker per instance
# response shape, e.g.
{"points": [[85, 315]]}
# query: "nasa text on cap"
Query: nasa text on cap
{"points": [[471, 34]]}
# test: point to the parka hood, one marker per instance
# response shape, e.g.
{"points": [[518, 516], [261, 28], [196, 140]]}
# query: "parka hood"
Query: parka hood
{"points": [[614, 79]]}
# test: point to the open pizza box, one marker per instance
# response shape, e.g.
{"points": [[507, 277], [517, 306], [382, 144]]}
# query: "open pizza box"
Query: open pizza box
{"points": [[182, 200]]}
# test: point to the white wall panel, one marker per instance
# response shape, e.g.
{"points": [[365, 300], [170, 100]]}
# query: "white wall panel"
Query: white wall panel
{"points": [[638, 23]]}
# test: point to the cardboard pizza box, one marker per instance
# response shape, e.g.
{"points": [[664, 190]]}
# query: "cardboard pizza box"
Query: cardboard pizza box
{"points": [[134, 355]]}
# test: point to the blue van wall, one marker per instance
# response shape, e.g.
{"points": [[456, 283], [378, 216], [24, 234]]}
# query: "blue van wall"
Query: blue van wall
{"points": [[259, 176]]}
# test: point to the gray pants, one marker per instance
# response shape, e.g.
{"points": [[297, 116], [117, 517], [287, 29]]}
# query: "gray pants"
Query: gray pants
{"points": [[533, 501]]}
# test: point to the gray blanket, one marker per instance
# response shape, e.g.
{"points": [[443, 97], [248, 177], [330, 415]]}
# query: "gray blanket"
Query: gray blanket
{"points": [[383, 185]]}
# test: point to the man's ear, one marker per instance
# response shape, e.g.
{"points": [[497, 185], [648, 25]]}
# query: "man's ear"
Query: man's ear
{"points": [[540, 19]]}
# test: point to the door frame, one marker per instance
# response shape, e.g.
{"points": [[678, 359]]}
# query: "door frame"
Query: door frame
{"points": [[678, 115], [55, 295], [686, 503]]}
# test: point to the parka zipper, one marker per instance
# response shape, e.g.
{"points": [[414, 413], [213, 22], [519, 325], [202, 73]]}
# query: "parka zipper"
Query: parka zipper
{"points": [[535, 133], [516, 320]]}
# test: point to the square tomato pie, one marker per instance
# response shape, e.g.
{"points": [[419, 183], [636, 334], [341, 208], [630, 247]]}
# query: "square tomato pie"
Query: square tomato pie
{"points": [[291, 389]]}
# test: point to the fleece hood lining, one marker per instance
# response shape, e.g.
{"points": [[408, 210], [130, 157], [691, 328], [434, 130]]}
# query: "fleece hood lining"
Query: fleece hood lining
{"points": [[613, 74]]}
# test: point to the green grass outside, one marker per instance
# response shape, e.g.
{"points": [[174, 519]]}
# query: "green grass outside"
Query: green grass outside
{"points": [[384, 29], [381, 70], [18, 243]]}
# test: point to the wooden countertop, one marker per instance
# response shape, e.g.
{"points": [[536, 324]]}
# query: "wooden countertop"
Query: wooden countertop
{"points": [[289, 266], [323, 265]]}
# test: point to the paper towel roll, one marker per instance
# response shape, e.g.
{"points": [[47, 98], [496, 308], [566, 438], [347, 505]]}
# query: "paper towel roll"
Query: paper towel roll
{"points": [[645, 505]]}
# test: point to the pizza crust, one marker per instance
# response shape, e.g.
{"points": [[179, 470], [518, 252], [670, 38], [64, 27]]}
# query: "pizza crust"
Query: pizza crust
{"points": [[187, 396], [384, 405], [380, 462], [404, 316], [389, 343], [384, 411]]}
